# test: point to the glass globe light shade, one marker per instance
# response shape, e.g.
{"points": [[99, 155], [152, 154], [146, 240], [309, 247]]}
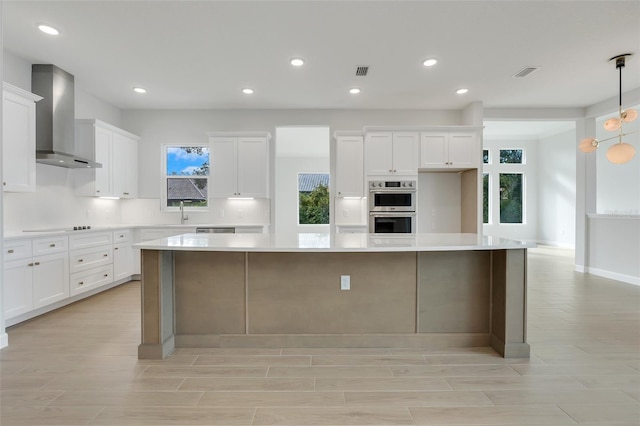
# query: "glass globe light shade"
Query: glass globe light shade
{"points": [[629, 115], [612, 124], [620, 153], [588, 145]]}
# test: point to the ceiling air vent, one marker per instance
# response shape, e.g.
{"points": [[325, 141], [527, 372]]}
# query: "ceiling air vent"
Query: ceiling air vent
{"points": [[362, 70], [525, 71]]}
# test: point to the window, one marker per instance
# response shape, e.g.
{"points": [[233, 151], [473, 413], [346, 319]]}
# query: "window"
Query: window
{"points": [[511, 156], [186, 176], [485, 156], [313, 198], [511, 185], [485, 198]]}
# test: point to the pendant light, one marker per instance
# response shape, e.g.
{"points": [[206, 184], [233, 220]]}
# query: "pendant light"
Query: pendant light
{"points": [[620, 152]]}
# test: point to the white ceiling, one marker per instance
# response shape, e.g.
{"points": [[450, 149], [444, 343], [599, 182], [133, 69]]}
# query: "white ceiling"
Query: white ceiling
{"points": [[200, 54]]}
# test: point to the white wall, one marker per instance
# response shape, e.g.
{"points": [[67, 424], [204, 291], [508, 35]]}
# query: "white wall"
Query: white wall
{"points": [[614, 247], [529, 229], [439, 208], [556, 170]]}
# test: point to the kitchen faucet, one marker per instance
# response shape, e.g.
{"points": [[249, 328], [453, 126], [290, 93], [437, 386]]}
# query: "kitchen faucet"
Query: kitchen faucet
{"points": [[182, 215]]}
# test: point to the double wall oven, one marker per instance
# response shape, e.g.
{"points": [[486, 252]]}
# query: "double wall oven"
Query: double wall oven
{"points": [[392, 207]]}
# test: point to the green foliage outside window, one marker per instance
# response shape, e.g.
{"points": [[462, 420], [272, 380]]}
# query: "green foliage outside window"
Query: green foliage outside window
{"points": [[510, 198], [513, 156], [485, 198], [314, 206]]}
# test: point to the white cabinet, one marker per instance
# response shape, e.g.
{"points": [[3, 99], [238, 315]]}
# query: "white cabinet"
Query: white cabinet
{"points": [[36, 274], [349, 166], [391, 153], [240, 164], [123, 256], [90, 261], [449, 150], [116, 150], [18, 139]]}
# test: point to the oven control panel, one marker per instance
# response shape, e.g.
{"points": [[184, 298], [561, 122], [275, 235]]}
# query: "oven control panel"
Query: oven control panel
{"points": [[396, 184]]}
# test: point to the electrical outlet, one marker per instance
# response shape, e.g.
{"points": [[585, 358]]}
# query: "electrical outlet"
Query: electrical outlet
{"points": [[345, 212], [240, 213], [345, 282], [221, 212]]}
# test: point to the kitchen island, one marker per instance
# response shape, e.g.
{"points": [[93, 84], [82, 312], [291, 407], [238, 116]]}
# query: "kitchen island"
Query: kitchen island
{"points": [[333, 290]]}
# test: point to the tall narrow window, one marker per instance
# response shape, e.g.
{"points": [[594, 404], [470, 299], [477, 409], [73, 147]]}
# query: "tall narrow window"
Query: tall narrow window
{"points": [[186, 176], [485, 198], [485, 156], [313, 198], [511, 185]]}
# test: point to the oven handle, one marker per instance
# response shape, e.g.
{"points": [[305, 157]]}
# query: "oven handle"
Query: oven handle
{"points": [[392, 214], [393, 190]]}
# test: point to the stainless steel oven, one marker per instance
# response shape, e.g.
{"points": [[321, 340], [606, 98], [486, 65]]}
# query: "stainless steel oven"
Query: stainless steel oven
{"points": [[392, 196], [392, 223]]}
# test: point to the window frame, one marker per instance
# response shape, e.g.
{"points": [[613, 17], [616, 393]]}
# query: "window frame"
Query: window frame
{"points": [[165, 177], [298, 198], [494, 169]]}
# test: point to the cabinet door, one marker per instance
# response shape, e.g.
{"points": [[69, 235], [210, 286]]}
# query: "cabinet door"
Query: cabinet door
{"points": [[463, 150], [225, 167], [103, 184], [19, 143], [122, 261], [433, 150], [406, 149], [50, 279], [252, 167], [378, 153], [17, 288], [350, 166], [124, 168]]}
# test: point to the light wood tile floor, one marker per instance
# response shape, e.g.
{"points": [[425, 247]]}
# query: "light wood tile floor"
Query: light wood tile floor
{"points": [[78, 366]]}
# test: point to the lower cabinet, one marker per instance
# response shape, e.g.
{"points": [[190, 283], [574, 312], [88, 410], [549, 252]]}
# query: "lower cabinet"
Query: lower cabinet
{"points": [[81, 282], [50, 279], [122, 261]]}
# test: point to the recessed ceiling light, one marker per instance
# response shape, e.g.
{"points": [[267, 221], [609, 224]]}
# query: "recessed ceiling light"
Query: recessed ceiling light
{"points": [[139, 90], [48, 30], [430, 62], [247, 91], [462, 91], [297, 62], [354, 91]]}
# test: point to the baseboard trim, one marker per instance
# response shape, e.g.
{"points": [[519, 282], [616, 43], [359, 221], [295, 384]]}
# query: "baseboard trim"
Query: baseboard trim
{"points": [[629, 279], [556, 244], [4, 340]]}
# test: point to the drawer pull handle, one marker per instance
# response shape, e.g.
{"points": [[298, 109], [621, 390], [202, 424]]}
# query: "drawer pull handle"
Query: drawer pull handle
{"points": [[105, 255], [30, 264], [115, 248], [52, 245], [125, 193], [106, 275], [80, 260], [10, 251], [121, 236], [81, 283], [36, 263]]}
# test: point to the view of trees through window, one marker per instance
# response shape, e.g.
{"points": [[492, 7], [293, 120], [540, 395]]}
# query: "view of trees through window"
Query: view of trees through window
{"points": [[510, 198], [183, 164], [485, 198], [313, 198], [511, 156]]}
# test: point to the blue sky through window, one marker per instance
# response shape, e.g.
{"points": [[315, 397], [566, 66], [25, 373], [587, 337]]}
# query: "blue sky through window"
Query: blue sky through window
{"points": [[187, 161]]}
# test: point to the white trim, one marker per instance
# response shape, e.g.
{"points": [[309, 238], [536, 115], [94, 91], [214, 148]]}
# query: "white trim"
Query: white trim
{"points": [[4, 340], [557, 244], [613, 216], [581, 269], [629, 279]]}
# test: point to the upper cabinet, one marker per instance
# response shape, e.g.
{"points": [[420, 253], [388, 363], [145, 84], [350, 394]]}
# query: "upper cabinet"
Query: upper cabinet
{"points": [[19, 139], [349, 165], [240, 164], [449, 150], [116, 150], [391, 153]]}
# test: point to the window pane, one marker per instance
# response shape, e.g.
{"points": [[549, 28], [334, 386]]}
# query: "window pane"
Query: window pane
{"points": [[485, 198], [485, 156], [511, 155], [313, 196], [192, 191], [510, 198], [188, 161]]}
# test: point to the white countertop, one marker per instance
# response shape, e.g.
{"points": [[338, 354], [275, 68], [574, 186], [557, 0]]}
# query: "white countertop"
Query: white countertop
{"points": [[325, 242]]}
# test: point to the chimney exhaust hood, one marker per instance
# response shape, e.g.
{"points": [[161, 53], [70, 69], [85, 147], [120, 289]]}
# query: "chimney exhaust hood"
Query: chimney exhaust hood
{"points": [[55, 118]]}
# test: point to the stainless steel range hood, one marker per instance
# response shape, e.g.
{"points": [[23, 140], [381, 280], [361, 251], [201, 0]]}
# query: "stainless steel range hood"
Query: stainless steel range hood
{"points": [[55, 118]]}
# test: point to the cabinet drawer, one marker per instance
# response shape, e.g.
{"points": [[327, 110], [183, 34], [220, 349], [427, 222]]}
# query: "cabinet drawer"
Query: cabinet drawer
{"points": [[81, 260], [50, 245], [16, 249], [87, 280], [89, 240], [121, 236]]}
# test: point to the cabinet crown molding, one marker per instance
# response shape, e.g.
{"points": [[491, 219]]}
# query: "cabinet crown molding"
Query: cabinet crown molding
{"points": [[422, 128], [248, 134], [10, 88], [104, 125]]}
